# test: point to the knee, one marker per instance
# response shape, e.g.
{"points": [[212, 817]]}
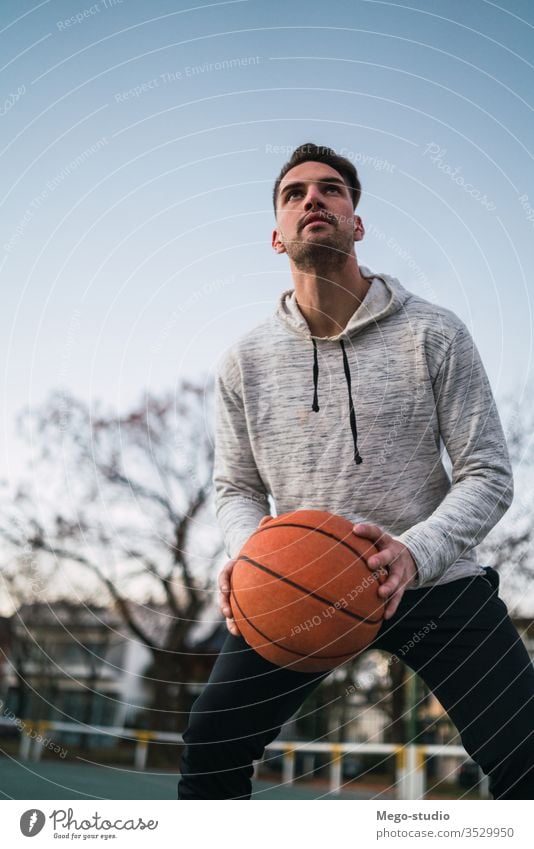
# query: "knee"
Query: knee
{"points": [[209, 736], [202, 742], [215, 764], [201, 728]]}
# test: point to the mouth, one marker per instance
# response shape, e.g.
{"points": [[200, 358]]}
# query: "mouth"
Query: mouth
{"points": [[316, 221]]}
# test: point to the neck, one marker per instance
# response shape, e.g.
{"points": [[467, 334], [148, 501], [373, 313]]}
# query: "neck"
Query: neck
{"points": [[328, 301]]}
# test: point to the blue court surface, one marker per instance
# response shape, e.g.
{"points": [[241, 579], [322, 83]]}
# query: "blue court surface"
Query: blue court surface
{"points": [[52, 780]]}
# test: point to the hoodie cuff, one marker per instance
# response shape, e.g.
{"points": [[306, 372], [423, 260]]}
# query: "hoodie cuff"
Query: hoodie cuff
{"points": [[425, 556], [417, 578]]}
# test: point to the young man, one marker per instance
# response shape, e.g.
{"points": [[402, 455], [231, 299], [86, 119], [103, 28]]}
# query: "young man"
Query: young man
{"points": [[343, 401]]}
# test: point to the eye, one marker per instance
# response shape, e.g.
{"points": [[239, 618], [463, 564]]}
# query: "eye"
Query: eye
{"points": [[330, 187]]}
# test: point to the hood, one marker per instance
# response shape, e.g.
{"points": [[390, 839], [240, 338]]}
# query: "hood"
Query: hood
{"points": [[384, 297]]}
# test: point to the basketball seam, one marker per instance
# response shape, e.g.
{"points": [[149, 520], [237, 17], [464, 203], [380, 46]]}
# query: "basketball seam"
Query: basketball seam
{"points": [[308, 528], [309, 592], [272, 642]]}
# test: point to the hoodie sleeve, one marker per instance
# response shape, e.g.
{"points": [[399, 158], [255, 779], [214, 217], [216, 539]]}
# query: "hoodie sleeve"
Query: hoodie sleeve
{"points": [[482, 482], [241, 500]]}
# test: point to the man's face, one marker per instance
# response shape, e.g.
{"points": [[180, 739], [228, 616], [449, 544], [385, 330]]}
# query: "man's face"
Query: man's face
{"points": [[315, 190]]}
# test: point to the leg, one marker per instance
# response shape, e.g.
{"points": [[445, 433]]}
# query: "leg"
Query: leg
{"points": [[241, 710], [477, 666]]}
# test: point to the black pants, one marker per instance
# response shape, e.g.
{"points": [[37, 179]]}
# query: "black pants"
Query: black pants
{"points": [[459, 639]]}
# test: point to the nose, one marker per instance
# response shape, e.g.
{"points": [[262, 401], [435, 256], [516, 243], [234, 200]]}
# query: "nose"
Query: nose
{"points": [[313, 198]]}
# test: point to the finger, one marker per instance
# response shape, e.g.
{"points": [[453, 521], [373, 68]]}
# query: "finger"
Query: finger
{"points": [[224, 587], [385, 557], [224, 577], [224, 596], [226, 610], [224, 604], [228, 566], [232, 627], [393, 603], [380, 538], [397, 581], [367, 530], [390, 586]]}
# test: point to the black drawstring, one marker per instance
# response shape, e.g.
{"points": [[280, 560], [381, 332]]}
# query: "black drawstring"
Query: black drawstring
{"points": [[315, 405], [352, 414]]}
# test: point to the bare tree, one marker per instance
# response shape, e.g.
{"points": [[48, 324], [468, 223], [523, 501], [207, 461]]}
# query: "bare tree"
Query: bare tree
{"points": [[128, 499]]}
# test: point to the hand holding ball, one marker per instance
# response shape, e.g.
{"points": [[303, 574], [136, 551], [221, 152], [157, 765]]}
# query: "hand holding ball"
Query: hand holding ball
{"points": [[302, 594]]}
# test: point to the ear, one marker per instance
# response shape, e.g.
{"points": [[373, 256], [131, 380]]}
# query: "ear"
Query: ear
{"points": [[277, 243], [359, 229]]}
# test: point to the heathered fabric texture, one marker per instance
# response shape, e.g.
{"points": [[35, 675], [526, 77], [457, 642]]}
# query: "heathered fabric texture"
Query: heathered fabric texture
{"points": [[418, 385]]}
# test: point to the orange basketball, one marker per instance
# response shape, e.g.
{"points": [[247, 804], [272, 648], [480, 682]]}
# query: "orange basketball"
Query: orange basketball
{"points": [[301, 592]]}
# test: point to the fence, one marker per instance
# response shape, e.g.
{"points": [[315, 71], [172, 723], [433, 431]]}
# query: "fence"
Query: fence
{"points": [[409, 759], [410, 780]]}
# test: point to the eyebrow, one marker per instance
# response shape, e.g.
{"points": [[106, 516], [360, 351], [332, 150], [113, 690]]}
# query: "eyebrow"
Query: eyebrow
{"points": [[301, 183]]}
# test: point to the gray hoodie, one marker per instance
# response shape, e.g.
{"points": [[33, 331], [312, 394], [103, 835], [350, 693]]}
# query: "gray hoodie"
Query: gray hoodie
{"points": [[364, 424]]}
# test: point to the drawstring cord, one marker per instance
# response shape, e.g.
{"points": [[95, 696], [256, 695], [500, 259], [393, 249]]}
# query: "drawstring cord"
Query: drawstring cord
{"points": [[352, 414], [315, 405]]}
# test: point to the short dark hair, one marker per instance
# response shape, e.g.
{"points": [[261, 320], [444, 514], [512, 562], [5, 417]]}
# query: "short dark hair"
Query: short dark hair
{"points": [[310, 152]]}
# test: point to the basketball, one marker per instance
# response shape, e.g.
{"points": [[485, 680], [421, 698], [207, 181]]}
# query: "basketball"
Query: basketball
{"points": [[302, 595]]}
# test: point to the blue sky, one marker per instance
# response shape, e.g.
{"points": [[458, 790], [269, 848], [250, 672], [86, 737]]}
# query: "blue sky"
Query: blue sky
{"points": [[139, 144]]}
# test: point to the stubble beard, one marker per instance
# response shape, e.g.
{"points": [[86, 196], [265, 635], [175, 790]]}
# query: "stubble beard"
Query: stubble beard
{"points": [[326, 255]]}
